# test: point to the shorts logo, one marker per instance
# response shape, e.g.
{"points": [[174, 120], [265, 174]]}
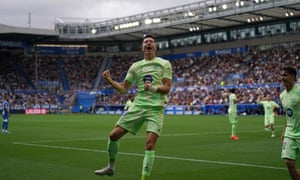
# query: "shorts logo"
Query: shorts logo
{"points": [[289, 112], [284, 145]]}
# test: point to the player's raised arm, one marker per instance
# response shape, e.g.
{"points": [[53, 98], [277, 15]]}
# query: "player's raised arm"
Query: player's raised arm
{"points": [[122, 87], [259, 99]]}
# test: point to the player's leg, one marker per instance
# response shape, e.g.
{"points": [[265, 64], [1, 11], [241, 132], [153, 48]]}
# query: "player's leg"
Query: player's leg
{"points": [[267, 124], [154, 120], [149, 155], [113, 144], [272, 129], [129, 122], [5, 125], [112, 148], [230, 117], [272, 121], [289, 152], [233, 122], [291, 165]]}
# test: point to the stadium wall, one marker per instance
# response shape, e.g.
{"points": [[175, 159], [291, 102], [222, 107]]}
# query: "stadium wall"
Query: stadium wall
{"points": [[251, 43], [238, 43]]}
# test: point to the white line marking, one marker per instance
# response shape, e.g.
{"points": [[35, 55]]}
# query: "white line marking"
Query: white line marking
{"points": [[161, 157], [105, 138], [137, 137]]}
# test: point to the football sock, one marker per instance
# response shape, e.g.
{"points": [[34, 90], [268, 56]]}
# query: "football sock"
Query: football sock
{"points": [[113, 148], [4, 125], [148, 163], [233, 130], [144, 177]]}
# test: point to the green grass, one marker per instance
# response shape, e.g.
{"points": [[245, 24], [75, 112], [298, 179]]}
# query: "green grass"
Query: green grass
{"points": [[63, 147]]}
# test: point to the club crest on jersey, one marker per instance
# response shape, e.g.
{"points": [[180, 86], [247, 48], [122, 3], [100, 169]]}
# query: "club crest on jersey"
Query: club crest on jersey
{"points": [[147, 78]]}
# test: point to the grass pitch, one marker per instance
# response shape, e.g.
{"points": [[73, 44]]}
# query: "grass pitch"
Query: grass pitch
{"points": [[72, 146]]}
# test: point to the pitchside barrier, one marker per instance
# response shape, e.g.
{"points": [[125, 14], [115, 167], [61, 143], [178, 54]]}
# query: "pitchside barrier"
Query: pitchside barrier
{"points": [[244, 109], [209, 109]]}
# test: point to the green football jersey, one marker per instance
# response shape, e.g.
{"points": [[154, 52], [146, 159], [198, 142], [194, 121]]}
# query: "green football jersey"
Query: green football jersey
{"points": [[232, 104], [153, 71], [291, 104], [269, 107]]}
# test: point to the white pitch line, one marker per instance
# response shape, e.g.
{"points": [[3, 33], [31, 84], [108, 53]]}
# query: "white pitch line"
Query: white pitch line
{"points": [[222, 162], [160, 157], [105, 138], [137, 137]]}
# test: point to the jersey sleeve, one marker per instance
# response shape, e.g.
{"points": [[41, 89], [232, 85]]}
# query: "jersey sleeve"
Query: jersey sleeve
{"points": [[130, 76], [167, 70], [276, 105]]}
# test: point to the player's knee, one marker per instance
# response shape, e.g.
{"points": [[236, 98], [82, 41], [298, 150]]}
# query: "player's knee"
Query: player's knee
{"points": [[150, 146], [289, 163], [117, 133], [113, 137]]}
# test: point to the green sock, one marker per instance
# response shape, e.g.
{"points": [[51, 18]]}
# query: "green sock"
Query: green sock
{"points": [[148, 163], [112, 148], [144, 177], [233, 130]]}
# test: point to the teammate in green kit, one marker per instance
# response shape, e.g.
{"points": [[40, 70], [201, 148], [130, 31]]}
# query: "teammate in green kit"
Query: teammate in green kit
{"points": [[269, 107], [290, 99], [232, 114], [129, 103], [153, 77]]}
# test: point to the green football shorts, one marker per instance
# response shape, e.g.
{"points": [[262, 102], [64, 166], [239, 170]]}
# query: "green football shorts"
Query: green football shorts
{"points": [[232, 117], [133, 120], [269, 119], [290, 148]]}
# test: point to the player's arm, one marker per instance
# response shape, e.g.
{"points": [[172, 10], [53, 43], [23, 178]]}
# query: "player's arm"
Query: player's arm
{"points": [[277, 105], [259, 99], [163, 89], [283, 132], [122, 87], [235, 100], [166, 86], [126, 107]]}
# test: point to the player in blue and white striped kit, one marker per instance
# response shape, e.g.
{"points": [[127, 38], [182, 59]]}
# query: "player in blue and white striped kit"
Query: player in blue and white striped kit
{"points": [[5, 115]]}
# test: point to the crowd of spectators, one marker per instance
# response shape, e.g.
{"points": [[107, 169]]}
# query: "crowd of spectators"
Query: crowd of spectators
{"points": [[33, 80], [254, 73]]}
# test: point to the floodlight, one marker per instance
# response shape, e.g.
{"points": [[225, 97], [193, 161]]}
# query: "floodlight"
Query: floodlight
{"points": [[148, 21], [156, 20], [94, 31]]}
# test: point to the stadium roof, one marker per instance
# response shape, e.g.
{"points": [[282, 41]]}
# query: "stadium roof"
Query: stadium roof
{"points": [[176, 21], [32, 35], [198, 16]]}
